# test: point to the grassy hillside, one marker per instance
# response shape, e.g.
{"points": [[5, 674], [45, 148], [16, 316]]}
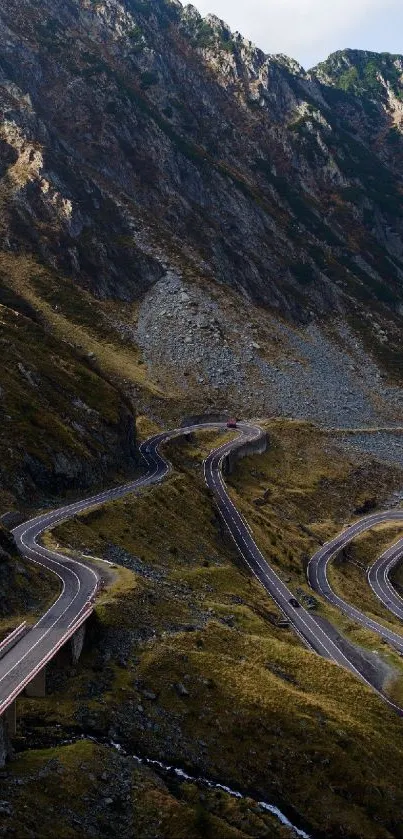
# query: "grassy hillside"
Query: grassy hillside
{"points": [[26, 590], [189, 666], [65, 422], [117, 796]]}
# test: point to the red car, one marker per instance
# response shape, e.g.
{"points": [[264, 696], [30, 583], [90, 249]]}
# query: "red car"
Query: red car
{"points": [[231, 423]]}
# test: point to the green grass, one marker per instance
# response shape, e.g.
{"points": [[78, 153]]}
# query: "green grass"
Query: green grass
{"points": [[273, 718], [349, 579], [64, 373], [72, 778], [42, 379], [26, 590], [314, 489]]}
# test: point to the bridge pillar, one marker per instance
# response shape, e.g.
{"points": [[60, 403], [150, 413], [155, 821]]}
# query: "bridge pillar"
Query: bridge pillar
{"points": [[37, 688], [7, 731], [77, 643], [3, 743], [10, 719]]}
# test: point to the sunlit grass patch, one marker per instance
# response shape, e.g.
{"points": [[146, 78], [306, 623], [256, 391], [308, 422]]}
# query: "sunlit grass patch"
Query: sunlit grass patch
{"points": [[222, 688]]}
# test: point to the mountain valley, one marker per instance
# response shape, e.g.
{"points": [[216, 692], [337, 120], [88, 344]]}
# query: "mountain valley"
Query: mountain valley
{"points": [[193, 230]]}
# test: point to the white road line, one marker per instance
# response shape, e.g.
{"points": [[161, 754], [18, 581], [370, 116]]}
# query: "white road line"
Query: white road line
{"points": [[321, 560], [52, 560], [20, 687], [312, 634], [330, 647]]}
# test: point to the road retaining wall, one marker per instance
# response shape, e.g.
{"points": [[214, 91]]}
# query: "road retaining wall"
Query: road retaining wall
{"points": [[244, 450]]}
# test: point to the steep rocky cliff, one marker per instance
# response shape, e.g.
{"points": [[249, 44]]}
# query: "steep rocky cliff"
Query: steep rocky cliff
{"points": [[144, 148], [128, 121]]}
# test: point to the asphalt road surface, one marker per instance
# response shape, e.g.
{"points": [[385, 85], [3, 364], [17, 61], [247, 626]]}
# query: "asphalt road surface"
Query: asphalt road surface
{"points": [[379, 579], [378, 575], [79, 581]]}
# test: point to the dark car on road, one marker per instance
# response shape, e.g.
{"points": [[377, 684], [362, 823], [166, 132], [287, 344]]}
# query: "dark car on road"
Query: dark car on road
{"points": [[294, 602]]}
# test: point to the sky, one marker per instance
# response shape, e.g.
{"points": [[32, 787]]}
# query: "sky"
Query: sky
{"points": [[309, 30]]}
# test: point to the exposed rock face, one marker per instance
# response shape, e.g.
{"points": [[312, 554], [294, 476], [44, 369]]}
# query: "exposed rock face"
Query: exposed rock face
{"points": [[145, 149], [128, 124], [245, 359]]}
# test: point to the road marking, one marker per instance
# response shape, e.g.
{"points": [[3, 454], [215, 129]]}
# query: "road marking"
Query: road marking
{"points": [[311, 633], [330, 647], [52, 560], [320, 561]]}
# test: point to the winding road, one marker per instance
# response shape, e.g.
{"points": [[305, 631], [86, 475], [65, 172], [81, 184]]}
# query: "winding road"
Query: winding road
{"points": [[378, 575], [379, 579], [80, 581]]}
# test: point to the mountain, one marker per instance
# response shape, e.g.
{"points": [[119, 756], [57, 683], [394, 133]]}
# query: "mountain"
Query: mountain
{"points": [[376, 76], [131, 118], [189, 226], [170, 192]]}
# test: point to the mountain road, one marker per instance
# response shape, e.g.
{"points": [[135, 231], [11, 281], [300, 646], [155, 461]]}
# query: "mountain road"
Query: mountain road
{"points": [[80, 581]]}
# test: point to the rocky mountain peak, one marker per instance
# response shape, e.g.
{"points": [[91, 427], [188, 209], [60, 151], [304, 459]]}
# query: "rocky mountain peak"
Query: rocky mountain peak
{"points": [[218, 24], [147, 153], [139, 137], [363, 73]]}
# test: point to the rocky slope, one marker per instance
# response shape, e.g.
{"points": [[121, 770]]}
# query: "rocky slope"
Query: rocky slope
{"points": [[180, 215], [136, 135], [188, 224]]}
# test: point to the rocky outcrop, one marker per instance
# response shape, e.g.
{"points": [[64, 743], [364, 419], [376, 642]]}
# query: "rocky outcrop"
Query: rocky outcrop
{"points": [[376, 76], [149, 155], [138, 136], [8, 547]]}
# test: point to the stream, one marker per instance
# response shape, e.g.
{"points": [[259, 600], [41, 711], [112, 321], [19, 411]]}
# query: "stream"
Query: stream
{"points": [[180, 774]]}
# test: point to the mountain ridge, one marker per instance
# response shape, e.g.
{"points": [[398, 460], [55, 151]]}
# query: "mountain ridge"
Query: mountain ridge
{"points": [[189, 227], [148, 156]]}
